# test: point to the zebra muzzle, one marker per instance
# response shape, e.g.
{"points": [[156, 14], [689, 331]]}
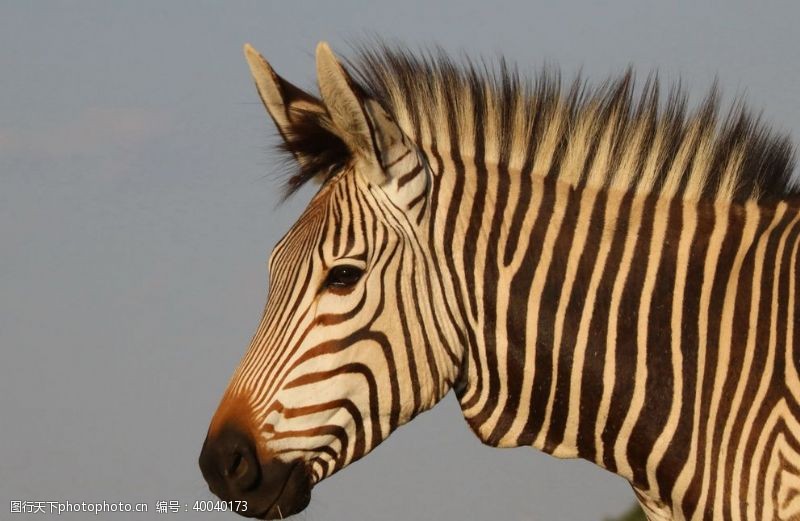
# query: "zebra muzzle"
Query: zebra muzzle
{"points": [[271, 489]]}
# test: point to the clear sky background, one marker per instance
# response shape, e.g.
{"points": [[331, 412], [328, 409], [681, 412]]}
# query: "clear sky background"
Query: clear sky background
{"points": [[138, 204]]}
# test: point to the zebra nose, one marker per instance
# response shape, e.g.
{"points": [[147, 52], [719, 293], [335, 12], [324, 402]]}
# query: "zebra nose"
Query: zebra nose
{"points": [[266, 487], [229, 463]]}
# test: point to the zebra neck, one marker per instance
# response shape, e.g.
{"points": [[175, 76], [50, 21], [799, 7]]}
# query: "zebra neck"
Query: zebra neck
{"points": [[626, 329]]}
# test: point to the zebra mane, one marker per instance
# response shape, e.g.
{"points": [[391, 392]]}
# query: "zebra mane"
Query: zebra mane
{"points": [[608, 136]]}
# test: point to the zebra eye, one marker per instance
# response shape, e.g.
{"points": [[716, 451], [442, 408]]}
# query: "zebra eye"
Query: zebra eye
{"points": [[343, 277]]}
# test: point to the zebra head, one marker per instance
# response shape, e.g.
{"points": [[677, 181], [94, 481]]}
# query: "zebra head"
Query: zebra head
{"points": [[355, 339]]}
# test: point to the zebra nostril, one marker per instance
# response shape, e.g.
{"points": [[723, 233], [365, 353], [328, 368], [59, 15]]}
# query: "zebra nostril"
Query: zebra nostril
{"points": [[242, 469], [235, 465], [238, 469], [230, 464]]}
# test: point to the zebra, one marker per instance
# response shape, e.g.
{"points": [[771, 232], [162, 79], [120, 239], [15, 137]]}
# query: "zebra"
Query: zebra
{"points": [[597, 272]]}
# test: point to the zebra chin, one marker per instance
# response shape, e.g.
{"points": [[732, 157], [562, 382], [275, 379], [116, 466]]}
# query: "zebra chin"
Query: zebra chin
{"points": [[264, 488]]}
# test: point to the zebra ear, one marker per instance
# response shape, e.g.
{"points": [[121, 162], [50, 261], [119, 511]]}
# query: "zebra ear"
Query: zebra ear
{"points": [[289, 107], [382, 150]]}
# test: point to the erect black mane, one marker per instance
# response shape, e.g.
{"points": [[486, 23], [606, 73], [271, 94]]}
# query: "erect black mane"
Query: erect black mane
{"points": [[736, 157]]}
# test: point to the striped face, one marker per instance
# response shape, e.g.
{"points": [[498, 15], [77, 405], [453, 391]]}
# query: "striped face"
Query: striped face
{"points": [[347, 347], [341, 357], [333, 367]]}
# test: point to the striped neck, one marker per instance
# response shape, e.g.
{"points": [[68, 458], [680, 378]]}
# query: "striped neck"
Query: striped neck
{"points": [[629, 330]]}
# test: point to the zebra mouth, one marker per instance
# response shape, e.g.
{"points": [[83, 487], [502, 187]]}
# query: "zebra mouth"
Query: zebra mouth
{"points": [[293, 496]]}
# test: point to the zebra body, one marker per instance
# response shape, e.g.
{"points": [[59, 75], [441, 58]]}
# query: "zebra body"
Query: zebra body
{"points": [[628, 388], [594, 277]]}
